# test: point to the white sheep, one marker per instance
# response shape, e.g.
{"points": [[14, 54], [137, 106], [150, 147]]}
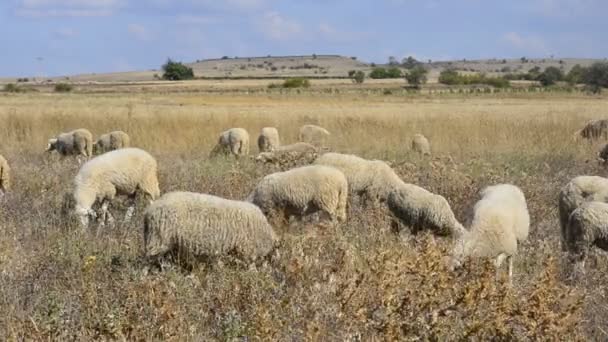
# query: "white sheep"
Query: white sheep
{"points": [[5, 176], [420, 144], [579, 190], [112, 141], [125, 171], [202, 225], [234, 141], [268, 139], [587, 227], [500, 221], [302, 191], [420, 209], [371, 179], [77, 142], [594, 129], [314, 134], [287, 152]]}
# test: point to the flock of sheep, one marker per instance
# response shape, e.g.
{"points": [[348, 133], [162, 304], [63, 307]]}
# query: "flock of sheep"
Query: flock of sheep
{"points": [[203, 225]]}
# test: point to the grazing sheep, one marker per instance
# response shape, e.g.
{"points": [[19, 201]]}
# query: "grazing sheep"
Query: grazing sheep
{"points": [[579, 190], [500, 221], [287, 152], [202, 225], [420, 209], [303, 190], [234, 141], [313, 134], [125, 171], [268, 139], [594, 129], [5, 176], [371, 179], [587, 227], [111, 141], [603, 155], [77, 142], [420, 144]]}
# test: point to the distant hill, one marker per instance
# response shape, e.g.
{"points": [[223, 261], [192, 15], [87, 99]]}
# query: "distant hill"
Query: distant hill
{"points": [[321, 66]]}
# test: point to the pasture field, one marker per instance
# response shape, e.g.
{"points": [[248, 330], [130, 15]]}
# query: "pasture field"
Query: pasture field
{"points": [[358, 280]]}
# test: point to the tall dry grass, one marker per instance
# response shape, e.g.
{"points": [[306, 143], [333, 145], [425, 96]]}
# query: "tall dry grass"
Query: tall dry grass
{"points": [[354, 281]]}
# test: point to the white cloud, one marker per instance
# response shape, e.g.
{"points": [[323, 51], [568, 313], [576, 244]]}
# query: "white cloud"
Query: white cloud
{"points": [[139, 32], [276, 27], [526, 44], [67, 8]]}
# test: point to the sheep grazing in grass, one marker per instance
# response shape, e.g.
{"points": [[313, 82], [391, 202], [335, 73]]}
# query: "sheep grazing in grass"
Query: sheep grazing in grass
{"points": [[111, 141], [587, 227], [420, 209], [371, 179], [500, 222], [594, 129], [199, 225], [285, 153], [579, 190], [302, 191], [234, 141], [126, 172], [78, 142], [420, 144], [5, 176], [268, 139], [313, 134], [603, 155]]}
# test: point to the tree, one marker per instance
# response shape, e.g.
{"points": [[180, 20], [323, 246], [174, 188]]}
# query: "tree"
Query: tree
{"points": [[449, 77], [356, 76], [393, 73], [596, 76], [550, 76], [416, 76], [392, 60], [576, 75], [410, 62], [175, 71], [378, 73]]}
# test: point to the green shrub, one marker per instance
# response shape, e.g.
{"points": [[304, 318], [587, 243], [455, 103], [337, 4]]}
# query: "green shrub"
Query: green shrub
{"points": [[452, 77], [357, 76], [12, 88], [416, 76], [550, 76], [296, 82], [175, 71], [63, 88], [378, 73], [596, 76]]}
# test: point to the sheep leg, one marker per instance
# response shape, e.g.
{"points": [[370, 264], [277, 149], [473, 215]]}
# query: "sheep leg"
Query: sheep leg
{"points": [[129, 213], [497, 262], [104, 212], [510, 259]]}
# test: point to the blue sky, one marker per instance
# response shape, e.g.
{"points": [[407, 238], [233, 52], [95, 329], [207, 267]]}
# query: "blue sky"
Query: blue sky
{"points": [[59, 37]]}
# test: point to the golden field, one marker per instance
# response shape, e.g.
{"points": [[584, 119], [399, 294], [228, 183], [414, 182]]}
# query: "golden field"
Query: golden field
{"points": [[357, 280]]}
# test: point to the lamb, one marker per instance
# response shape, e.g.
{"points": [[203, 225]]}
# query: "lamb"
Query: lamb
{"points": [[111, 141], [370, 179], [587, 227], [500, 222], [234, 141], [303, 190], [202, 225], [420, 144], [287, 152], [268, 139], [579, 190], [5, 176], [77, 142], [125, 171], [313, 134], [594, 129], [420, 209]]}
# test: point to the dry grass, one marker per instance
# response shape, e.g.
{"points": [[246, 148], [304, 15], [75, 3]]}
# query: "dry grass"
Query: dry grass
{"points": [[355, 281]]}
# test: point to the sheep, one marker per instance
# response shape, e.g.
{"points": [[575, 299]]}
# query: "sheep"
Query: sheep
{"points": [[313, 134], [111, 141], [202, 225], [594, 129], [370, 179], [234, 141], [304, 190], [587, 227], [268, 139], [77, 142], [287, 152], [420, 144], [5, 176], [579, 190], [420, 209], [125, 171], [500, 221], [603, 155]]}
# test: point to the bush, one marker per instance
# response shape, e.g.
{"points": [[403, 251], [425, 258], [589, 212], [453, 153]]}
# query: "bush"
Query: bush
{"points": [[296, 82], [449, 77], [410, 62], [175, 71], [596, 76], [63, 88], [357, 76], [380, 73], [550, 76], [576, 75], [416, 76], [393, 73], [12, 88], [452, 77]]}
